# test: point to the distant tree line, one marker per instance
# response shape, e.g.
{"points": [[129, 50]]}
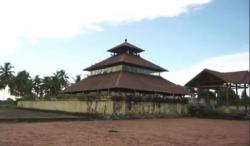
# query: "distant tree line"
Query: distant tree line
{"points": [[23, 85]]}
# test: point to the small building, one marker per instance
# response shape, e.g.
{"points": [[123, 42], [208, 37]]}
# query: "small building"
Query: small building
{"points": [[216, 81], [126, 72]]}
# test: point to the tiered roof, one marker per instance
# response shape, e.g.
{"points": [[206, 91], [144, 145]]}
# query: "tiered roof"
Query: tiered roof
{"points": [[125, 59], [124, 47], [126, 54], [128, 81]]}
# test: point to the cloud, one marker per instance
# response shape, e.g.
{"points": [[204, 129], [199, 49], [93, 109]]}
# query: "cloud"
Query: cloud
{"points": [[33, 20], [225, 63]]}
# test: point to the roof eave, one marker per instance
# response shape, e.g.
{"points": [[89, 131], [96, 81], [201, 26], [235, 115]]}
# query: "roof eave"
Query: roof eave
{"points": [[125, 44], [91, 68]]}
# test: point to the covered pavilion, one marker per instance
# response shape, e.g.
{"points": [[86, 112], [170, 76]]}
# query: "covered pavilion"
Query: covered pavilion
{"points": [[210, 79]]}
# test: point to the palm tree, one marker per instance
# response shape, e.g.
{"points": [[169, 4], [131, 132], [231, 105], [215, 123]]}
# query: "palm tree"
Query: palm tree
{"points": [[21, 85], [37, 85], [47, 85], [6, 73], [62, 76], [52, 85]]}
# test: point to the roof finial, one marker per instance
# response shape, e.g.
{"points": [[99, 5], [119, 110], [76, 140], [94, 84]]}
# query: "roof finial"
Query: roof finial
{"points": [[126, 40]]}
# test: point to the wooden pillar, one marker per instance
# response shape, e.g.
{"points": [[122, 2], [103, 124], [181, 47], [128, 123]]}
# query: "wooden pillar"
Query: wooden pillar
{"points": [[227, 95], [238, 99], [192, 90], [216, 96], [198, 91], [245, 100], [207, 98]]}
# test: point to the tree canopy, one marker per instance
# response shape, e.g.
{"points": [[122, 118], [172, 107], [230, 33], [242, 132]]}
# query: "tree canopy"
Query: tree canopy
{"points": [[21, 85], [222, 96], [24, 86], [206, 94], [1, 85], [77, 78], [6, 74]]}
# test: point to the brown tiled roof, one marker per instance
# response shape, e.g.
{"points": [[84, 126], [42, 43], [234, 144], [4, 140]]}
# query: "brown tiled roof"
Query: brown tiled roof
{"points": [[238, 77], [124, 47], [128, 81], [127, 59]]}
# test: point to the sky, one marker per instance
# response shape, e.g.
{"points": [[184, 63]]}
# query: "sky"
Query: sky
{"points": [[183, 36]]}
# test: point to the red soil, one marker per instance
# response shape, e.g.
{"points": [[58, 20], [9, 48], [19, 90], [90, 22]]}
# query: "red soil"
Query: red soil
{"points": [[154, 132]]}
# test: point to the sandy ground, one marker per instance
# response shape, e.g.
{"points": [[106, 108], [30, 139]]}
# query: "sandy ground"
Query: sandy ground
{"points": [[153, 132]]}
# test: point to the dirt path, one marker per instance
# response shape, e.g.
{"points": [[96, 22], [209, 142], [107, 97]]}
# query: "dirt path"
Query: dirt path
{"points": [[158, 132], [14, 113]]}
